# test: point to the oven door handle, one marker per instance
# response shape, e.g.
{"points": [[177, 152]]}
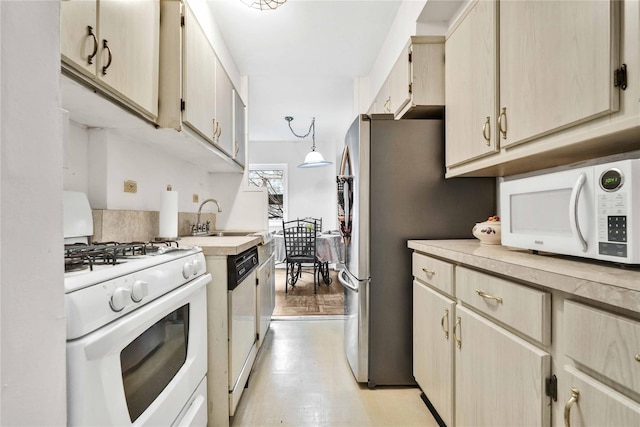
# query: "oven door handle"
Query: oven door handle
{"points": [[575, 199], [108, 338]]}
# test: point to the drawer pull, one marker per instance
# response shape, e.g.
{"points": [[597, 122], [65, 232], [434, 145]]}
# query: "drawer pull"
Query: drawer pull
{"points": [[445, 316], [429, 272], [455, 335], [485, 295], [638, 357], [575, 394]]}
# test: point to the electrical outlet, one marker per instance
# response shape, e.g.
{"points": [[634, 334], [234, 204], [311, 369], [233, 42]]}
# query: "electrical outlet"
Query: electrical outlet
{"points": [[195, 198], [130, 186]]}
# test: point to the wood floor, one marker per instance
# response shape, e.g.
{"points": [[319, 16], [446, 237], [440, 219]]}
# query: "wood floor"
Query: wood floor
{"points": [[301, 301]]}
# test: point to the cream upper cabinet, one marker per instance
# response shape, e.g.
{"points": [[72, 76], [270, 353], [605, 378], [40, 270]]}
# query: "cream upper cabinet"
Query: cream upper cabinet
{"points": [[198, 80], [433, 316], [540, 84], [239, 129], [115, 45], [224, 111], [557, 61], [500, 378], [196, 93], [399, 82], [471, 85]]}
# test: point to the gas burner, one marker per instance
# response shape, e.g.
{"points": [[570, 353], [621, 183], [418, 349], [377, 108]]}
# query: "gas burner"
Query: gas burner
{"points": [[79, 256]]}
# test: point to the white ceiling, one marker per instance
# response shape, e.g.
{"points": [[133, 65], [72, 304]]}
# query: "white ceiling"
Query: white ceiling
{"points": [[301, 59]]}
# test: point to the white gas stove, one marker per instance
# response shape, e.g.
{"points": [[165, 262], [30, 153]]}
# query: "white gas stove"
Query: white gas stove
{"points": [[136, 328]]}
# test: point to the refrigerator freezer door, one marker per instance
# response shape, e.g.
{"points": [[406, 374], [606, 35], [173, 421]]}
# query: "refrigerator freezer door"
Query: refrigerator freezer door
{"points": [[355, 335]]}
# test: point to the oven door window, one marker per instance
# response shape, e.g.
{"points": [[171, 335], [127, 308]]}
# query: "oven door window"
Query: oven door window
{"points": [[150, 361]]}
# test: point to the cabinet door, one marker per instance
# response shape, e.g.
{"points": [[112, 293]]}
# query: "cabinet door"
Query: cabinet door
{"points": [[596, 404], [500, 378], [433, 348], [198, 79], [224, 111], [470, 85], [556, 65], [239, 132], [78, 43], [128, 54], [399, 79]]}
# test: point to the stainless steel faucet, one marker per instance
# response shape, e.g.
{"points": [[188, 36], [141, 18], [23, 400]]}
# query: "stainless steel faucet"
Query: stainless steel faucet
{"points": [[199, 228]]}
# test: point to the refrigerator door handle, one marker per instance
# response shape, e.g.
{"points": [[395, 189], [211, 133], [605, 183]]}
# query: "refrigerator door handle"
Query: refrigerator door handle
{"points": [[344, 281]]}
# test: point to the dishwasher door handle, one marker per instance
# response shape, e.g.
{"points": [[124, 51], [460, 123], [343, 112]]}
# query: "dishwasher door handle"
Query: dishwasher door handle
{"points": [[344, 281]]}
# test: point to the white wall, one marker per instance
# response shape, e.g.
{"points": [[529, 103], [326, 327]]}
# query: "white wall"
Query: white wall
{"points": [[312, 192], [32, 315]]}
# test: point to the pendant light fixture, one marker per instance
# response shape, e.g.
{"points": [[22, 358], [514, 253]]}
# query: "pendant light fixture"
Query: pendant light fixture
{"points": [[264, 4], [313, 159]]}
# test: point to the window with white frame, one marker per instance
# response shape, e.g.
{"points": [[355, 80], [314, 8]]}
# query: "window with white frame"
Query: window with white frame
{"points": [[274, 178]]}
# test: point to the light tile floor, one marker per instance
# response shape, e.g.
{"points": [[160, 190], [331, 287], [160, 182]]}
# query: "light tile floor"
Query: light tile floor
{"points": [[301, 378]]}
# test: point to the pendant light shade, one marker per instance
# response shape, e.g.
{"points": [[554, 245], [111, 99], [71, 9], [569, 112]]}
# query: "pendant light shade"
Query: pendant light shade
{"points": [[313, 159]]}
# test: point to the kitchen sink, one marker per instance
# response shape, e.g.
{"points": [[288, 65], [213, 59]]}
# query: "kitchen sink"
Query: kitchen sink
{"points": [[222, 233]]}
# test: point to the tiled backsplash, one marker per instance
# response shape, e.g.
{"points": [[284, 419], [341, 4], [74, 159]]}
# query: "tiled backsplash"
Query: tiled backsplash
{"points": [[139, 226]]}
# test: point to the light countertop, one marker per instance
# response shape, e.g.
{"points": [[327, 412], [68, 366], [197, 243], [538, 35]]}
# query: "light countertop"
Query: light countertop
{"points": [[601, 281], [222, 246]]}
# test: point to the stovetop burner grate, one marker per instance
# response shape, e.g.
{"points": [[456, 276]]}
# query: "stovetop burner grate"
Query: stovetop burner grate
{"points": [[80, 256]]}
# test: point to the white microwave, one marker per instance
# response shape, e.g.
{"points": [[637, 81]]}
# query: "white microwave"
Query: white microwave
{"points": [[591, 212]]}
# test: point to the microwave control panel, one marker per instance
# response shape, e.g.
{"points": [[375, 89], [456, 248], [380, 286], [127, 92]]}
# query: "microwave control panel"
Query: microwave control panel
{"points": [[612, 214]]}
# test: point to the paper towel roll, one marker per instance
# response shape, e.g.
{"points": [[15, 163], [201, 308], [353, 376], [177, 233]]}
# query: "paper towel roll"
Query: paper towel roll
{"points": [[169, 214]]}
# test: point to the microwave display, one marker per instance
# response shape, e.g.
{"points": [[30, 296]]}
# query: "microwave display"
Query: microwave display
{"points": [[611, 180]]}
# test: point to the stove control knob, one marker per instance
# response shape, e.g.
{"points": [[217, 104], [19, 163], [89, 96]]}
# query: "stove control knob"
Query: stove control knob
{"points": [[139, 290], [119, 299], [187, 270], [197, 266]]}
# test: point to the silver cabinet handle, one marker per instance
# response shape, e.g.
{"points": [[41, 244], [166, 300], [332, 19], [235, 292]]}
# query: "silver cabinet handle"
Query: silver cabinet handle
{"points": [[455, 335], [485, 295], [442, 321], [429, 272], [575, 394], [486, 130], [575, 198], [502, 123]]}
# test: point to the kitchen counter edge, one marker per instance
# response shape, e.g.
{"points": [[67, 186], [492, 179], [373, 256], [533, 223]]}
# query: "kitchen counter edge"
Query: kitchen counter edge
{"points": [[222, 246], [611, 284]]}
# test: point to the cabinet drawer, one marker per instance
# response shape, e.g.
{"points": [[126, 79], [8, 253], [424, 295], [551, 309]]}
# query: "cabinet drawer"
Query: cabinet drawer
{"points": [[607, 343], [436, 273], [524, 309], [597, 404]]}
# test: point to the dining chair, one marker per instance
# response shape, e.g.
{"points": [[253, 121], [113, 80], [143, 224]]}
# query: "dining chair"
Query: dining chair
{"points": [[323, 267], [300, 248]]}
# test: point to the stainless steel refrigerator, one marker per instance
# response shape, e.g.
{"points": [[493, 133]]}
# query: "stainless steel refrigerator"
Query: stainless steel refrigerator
{"points": [[391, 188]]}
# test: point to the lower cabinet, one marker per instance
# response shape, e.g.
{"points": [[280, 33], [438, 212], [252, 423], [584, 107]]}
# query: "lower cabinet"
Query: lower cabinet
{"points": [[500, 378], [590, 403], [433, 348]]}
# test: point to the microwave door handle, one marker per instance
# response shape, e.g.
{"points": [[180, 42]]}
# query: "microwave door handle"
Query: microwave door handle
{"points": [[575, 198]]}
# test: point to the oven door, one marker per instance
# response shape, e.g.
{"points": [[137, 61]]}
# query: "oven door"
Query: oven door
{"points": [[145, 368]]}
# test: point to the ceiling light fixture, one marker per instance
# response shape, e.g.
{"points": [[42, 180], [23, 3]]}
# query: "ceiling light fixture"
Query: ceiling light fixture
{"points": [[313, 159], [264, 4]]}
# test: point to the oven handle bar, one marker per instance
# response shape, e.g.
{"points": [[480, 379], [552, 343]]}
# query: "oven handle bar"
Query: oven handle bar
{"points": [[106, 339]]}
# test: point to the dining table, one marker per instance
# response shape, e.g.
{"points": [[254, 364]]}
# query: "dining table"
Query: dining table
{"points": [[329, 247]]}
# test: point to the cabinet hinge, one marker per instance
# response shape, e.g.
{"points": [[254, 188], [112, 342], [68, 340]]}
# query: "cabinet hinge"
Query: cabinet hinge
{"points": [[257, 281], [551, 387], [182, 105], [620, 77], [410, 57], [182, 20], [410, 87], [258, 337]]}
